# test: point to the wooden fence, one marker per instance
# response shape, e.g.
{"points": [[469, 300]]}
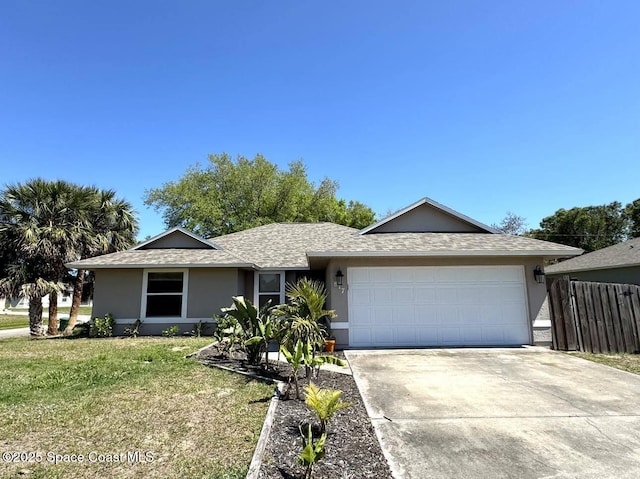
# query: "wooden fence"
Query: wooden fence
{"points": [[594, 317]]}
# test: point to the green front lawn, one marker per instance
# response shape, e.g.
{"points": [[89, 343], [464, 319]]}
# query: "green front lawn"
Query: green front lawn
{"points": [[626, 362], [138, 400], [61, 310], [10, 321]]}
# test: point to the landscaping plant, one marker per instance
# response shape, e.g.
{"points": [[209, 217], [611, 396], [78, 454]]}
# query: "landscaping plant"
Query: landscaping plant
{"points": [[102, 327], [252, 328], [171, 331], [312, 451], [296, 359], [325, 403], [133, 330]]}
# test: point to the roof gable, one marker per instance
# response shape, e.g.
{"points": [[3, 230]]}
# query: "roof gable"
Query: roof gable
{"points": [[427, 216], [176, 238]]}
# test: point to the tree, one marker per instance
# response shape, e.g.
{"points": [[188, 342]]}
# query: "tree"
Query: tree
{"points": [[512, 224], [47, 224], [589, 228], [632, 217], [114, 228], [233, 195]]}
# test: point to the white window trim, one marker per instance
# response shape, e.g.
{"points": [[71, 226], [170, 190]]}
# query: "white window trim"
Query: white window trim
{"points": [[256, 286], [185, 294]]}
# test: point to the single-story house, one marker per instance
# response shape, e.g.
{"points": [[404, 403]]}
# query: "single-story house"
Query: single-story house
{"points": [[619, 263], [425, 276]]}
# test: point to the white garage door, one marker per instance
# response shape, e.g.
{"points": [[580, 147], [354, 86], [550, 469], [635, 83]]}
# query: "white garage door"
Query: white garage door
{"points": [[437, 306]]}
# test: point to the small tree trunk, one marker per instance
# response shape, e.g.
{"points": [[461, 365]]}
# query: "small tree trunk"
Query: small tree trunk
{"points": [[35, 316], [53, 313], [75, 302]]}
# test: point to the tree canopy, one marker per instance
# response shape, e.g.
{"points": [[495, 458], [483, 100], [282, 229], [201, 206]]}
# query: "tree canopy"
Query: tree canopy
{"points": [[591, 227], [229, 195], [511, 224], [43, 225]]}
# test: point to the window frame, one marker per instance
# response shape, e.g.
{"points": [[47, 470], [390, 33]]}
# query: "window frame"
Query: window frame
{"points": [[256, 287], [145, 293]]}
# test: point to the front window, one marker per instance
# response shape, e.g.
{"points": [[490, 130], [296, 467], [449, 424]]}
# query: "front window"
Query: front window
{"points": [[165, 294], [270, 287]]}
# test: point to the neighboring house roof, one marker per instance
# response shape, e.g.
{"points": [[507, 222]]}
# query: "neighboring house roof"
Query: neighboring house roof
{"points": [[432, 207], [621, 255]]}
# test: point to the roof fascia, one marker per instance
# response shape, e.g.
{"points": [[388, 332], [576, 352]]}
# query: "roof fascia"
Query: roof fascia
{"points": [[434, 204], [164, 265], [440, 253]]}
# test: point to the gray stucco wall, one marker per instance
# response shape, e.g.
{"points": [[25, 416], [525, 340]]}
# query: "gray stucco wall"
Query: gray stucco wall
{"points": [[175, 240], [629, 275], [536, 293], [425, 218], [209, 290], [117, 291]]}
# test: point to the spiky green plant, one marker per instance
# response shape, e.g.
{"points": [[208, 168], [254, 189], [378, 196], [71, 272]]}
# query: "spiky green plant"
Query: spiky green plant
{"points": [[324, 402], [312, 451]]}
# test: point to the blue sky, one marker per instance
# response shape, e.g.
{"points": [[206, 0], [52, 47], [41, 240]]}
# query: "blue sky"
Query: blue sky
{"points": [[485, 106]]}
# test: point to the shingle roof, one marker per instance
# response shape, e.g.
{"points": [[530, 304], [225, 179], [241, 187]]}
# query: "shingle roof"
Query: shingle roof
{"points": [[168, 258], [289, 245], [284, 245], [619, 255], [446, 244]]}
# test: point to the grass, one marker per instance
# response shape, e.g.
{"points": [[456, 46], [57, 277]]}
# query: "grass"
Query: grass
{"points": [[10, 321], [120, 396], [61, 310], [626, 362]]}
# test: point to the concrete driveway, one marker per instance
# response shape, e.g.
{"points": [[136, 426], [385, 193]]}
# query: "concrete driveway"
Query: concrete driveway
{"points": [[500, 413]]}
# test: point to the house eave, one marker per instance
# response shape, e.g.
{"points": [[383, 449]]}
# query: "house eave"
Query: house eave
{"points": [[163, 265], [441, 253]]}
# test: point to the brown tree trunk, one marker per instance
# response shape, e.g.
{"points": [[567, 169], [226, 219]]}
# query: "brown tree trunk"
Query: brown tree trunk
{"points": [[53, 313], [75, 301], [35, 316]]}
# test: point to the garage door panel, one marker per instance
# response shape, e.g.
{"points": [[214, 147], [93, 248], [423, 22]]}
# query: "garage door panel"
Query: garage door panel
{"points": [[404, 315], [405, 336], [450, 336], [474, 305], [360, 295], [425, 294], [403, 294]]}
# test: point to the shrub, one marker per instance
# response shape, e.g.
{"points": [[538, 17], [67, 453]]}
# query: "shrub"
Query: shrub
{"points": [[102, 327], [133, 330], [171, 331]]}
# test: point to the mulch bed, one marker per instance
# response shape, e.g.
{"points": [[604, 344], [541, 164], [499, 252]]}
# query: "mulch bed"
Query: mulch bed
{"points": [[352, 449]]}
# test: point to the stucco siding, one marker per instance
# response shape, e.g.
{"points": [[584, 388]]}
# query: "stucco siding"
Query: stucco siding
{"points": [[209, 290], [175, 240], [629, 275], [426, 219], [338, 299], [117, 291]]}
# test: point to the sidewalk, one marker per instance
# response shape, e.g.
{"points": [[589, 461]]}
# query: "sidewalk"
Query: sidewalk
{"points": [[14, 333]]}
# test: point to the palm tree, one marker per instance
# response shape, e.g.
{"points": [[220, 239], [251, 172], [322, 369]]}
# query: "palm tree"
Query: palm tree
{"points": [[114, 229], [47, 223]]}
